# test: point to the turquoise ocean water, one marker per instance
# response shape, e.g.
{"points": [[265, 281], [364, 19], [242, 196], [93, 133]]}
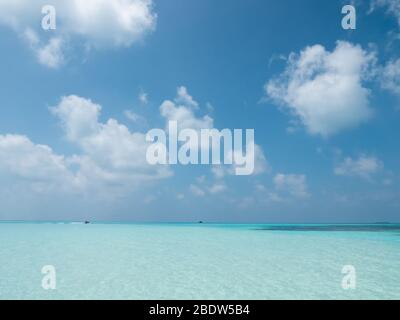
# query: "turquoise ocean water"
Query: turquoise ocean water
{"points": [[193, 261]]}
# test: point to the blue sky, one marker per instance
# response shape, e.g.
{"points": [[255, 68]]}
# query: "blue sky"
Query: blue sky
{"points": [[324, 103]]}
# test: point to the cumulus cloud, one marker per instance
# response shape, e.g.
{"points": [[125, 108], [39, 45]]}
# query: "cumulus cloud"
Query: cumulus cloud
{"points": [[261, 164], [78, 116], [325, 90], [181, 111], [116, 152], [293, 184], [51, 54], [98, 23], [184, 98], [110, 158], [21, 157], [363, 167]]}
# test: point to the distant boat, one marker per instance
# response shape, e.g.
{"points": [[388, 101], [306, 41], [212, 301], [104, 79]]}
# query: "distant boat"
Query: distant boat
{"points": [[87, 222], [200, 221]]}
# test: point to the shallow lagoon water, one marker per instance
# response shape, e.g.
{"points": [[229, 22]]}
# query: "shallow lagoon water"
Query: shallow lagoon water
{"points": [[193, 261]]}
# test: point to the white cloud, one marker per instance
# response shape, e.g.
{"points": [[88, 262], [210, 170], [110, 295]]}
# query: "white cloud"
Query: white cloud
{"points": [[220, 172], [323, 89], [104, 22], [392, 7], [115, 152], [143, 97], [26, 167], [31, 37], [98, 23], [293, 184], [184, 116], [363, 167], [261, 164], [390, 77], [78, 116], [181, 110], [267, 195], [21, 157], [184, 98], [134, 117], [217, 188], [210, 107], [111, 161], [197, 191], [51, 55]]}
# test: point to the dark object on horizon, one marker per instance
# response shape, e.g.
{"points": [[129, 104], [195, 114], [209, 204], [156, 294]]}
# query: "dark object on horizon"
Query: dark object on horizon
{"points": [[87, 222], [334, 227], [200, 221]]}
